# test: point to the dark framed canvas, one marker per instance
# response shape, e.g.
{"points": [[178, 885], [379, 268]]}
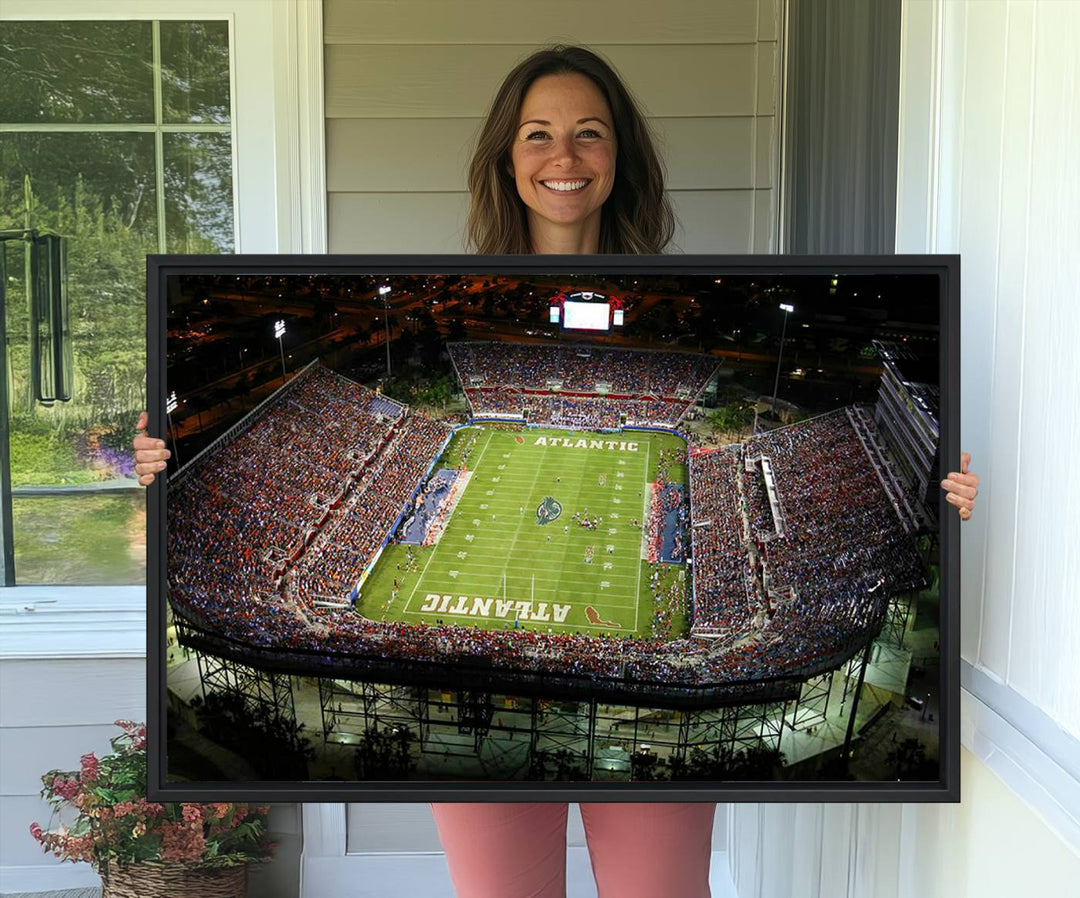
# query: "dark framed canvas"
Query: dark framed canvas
{"points": [[518, 528]]}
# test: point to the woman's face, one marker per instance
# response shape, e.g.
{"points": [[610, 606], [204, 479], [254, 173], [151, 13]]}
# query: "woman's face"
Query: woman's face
{"points": [[563, 155]]}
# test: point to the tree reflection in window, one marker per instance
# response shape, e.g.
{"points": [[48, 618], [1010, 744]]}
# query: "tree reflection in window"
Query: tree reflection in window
{"points": [[118, 136]]}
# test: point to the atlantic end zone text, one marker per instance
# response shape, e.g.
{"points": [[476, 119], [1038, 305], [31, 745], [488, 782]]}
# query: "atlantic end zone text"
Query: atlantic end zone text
{"points": [[474, 606]]}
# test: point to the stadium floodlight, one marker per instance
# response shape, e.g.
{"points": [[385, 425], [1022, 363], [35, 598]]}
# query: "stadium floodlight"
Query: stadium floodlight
{"points": [[171, 404], [384, 292], [787, 309], [279, 332]]}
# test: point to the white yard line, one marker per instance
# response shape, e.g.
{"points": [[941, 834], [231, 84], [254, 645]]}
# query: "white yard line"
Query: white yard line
{"points": [[473, 563], [517, 532], [482, 451], [644, 526], [420, 580]]}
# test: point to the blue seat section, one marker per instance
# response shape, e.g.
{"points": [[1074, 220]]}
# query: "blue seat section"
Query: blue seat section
{"points": [[676, 516], [415, 526], [382, 406]]}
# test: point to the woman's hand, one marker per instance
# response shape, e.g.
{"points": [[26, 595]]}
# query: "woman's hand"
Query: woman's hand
{"points": [[150, 453], [962, 487]]}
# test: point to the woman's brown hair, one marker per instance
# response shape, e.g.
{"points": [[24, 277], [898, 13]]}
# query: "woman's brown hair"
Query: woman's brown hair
{"points": [[637, 216]]}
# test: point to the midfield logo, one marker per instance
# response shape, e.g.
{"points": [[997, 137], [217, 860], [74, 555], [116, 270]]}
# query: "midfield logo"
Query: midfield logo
{"points": [[547, 511]]}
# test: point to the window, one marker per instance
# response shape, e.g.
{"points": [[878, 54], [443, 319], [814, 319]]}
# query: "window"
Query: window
{"points": [[116, 135]]}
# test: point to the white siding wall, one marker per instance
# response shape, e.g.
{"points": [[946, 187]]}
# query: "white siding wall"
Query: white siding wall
{"points": [[992, 844], [989, 143], [408, 82], [65, 676], [53, 712]]}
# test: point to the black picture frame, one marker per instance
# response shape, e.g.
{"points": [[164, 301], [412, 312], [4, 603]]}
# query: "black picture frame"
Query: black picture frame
{"points": [[945, 268]]}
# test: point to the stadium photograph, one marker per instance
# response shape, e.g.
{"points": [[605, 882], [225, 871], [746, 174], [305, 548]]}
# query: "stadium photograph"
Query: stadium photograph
{"points": [[577, 527]]}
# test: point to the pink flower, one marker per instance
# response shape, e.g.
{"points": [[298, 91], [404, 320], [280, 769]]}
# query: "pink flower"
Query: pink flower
{"points": [[181, 842], [89, 767], [150, 808], [65, 788], [36, 832], [192, 813], [221, 809]]}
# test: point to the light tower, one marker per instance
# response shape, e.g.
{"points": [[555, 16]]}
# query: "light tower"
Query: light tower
{"points": [[171, 404], [787, 309], [384, 291], [279, 332]]}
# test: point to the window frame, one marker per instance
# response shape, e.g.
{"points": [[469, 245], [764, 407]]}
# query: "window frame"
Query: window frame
{"points": [[283, 149]]}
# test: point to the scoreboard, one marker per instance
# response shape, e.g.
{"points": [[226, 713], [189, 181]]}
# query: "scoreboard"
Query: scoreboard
{"points": [[587, 311]]}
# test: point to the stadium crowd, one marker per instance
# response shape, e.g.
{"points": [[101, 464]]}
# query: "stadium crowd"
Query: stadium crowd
{"points": [[314, 444], [584, 387], [279, 515], [353, 533], [581, 368], [843, 533], [721, 565], [843, 540], [574, 410]]}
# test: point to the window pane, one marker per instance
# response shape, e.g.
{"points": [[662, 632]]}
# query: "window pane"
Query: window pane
{"points": [[195, 71], [76, 72], [198, 193], [81, 540], [97, 190], [107, 176]]}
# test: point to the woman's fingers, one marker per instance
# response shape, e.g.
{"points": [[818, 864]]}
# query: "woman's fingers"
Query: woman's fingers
{"points": [[146, 456], [150, 452], [150, 467], [963, 506], [961, 487], [960, 501], [966, 485]]}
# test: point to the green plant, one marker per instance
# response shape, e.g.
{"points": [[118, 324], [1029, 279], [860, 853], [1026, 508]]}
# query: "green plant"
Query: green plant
{"points": [[116, 824]]}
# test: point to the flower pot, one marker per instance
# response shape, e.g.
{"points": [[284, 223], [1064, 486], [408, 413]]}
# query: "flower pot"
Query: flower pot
{"points": [[174, 881]]}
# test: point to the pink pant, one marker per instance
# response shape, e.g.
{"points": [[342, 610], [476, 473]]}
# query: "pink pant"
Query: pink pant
{"points": [[646, 850]]}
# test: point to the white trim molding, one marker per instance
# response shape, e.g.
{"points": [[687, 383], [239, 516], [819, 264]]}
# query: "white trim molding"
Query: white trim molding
{"points": [[919, 111], [298, 37], [844, 850], [1000, 727], [63, 622]]}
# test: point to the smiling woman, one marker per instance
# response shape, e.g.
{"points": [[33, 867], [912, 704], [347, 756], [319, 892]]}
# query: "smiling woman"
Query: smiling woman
{"points": [[565, 163]]}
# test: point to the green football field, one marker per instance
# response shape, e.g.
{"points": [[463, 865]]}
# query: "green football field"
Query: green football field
{"points": [[512, 549]]}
